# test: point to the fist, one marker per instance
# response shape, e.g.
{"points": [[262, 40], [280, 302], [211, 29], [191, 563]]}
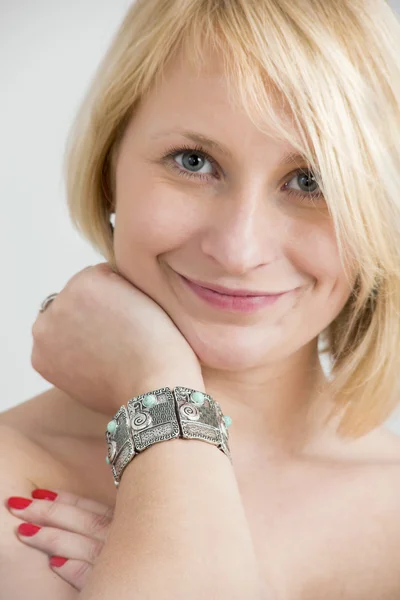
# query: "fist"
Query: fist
{"points": [[102, 341]]}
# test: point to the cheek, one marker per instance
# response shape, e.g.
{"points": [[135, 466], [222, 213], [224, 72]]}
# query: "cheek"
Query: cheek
{"points": [[315, 251], [316, 255], [151, 221]]}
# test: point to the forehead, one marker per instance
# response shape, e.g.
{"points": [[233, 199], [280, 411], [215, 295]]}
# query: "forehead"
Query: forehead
{"points": [[206, 81], [198, 98], [192, 88]]}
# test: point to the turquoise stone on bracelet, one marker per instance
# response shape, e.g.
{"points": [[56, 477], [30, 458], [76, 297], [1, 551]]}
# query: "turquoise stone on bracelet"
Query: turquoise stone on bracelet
{"points": [[198, 398], [149, 400], [227, 420], [112, 426], [107, 460]]}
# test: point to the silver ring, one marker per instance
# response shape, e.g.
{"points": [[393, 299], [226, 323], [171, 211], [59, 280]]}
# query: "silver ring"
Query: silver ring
{"points": [[47, 301]]}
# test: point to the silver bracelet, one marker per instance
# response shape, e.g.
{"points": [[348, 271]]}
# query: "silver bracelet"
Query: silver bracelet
{"points": [[163, 415]]}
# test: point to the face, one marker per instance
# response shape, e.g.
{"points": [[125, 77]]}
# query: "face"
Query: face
{"points": [[231, 216]]}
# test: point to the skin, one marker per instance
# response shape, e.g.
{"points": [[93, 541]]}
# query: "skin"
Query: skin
{"points": [[231, 224], [316, 529]]}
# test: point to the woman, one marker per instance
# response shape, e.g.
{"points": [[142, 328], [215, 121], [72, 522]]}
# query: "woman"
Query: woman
{"points": [[254, 147]]}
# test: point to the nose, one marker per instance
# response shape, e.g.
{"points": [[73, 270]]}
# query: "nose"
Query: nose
{"points": [[243, 234]]}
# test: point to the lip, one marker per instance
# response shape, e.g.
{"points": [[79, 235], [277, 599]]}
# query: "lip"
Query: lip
{"points": [[233, 303], [231, 292]]}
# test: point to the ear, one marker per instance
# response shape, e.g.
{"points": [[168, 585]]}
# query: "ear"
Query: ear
{"points": [[112, 221]]}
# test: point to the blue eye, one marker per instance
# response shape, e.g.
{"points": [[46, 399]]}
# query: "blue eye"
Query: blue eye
{"points": [[311, 190], [188, 161], [192, 158]]}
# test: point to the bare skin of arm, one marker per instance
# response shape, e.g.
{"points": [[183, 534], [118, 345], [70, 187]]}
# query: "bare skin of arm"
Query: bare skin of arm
{"points": [[179, 529], [24, 572]]}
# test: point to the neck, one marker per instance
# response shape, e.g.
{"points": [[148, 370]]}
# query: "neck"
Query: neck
{"points": [[278, 411]]}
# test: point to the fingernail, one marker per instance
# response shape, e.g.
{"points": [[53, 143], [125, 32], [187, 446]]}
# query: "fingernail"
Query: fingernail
{"points": [[40, 494], [57, 561], [18, 503], [28, 529]]}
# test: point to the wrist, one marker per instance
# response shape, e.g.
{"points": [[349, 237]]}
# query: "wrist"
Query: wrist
{"points": [[159, 378], [169, 379], [161, 410]]}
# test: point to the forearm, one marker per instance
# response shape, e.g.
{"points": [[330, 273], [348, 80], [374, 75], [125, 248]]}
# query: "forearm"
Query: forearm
{"points": [[179, 530]]}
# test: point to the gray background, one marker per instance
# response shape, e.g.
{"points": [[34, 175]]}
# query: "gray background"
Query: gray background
{"points": [[49, 50]]}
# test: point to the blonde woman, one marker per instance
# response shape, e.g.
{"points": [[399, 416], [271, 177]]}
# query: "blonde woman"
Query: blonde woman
{"points": [[237, 164]]}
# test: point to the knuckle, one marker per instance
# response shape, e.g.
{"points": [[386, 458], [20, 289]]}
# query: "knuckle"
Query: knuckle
{"points": [[38, 358], [83, 288], [41, 366], [109, 514], [102, 272], [79, 572], [98, 524], [54, 540], [38, 327], [94, 550], [51, 510], [87, 286], [38, 355], [103, 268], [35, 327], [35, 358]]}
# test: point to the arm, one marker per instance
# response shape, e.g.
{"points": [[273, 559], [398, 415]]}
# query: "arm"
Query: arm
{"points": [[179, 529], [24, 572]]}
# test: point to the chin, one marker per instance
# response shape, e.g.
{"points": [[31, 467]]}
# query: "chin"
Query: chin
{"points": [[231, 348]]}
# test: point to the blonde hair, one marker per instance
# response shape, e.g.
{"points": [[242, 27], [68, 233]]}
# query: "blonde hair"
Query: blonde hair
{"points": [[335, 66]]}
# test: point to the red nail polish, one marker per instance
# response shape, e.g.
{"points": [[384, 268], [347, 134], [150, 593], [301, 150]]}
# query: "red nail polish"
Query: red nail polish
{"points": [[40, 494], [57, 561], [18, 503], [28, 529]]}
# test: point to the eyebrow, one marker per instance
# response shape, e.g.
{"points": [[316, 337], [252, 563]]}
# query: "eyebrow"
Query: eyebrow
{"points": [[199, 138]]}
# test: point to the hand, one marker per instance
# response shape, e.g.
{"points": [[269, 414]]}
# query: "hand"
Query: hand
{"points": [[71, 527], [102, 341]]}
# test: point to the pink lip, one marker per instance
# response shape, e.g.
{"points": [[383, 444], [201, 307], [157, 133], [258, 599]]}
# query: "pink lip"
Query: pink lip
{"points": [[232, 292], [243, 304]]}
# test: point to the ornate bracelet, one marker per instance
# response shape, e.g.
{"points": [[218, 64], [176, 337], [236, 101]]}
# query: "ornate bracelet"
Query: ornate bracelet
{"points": [[162, 415]]}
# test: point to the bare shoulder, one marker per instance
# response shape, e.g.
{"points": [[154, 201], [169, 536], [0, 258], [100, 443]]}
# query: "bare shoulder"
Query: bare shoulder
{"points": [[370, 463], [383, 445], [24, 462], [378, 456], [53, 413], [54, 431], [21, 455], [19, 466], [40, 412]]}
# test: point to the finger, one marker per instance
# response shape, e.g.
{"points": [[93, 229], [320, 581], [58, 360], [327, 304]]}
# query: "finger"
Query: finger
{"points": [[58, 542], [74, 572], [74, 500], [63, 516]]}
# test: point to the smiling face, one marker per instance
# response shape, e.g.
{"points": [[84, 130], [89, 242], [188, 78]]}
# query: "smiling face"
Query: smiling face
{"points": [[233, 216]]}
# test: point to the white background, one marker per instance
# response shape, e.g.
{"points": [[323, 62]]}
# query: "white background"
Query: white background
{"points": [[49, 50]]}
